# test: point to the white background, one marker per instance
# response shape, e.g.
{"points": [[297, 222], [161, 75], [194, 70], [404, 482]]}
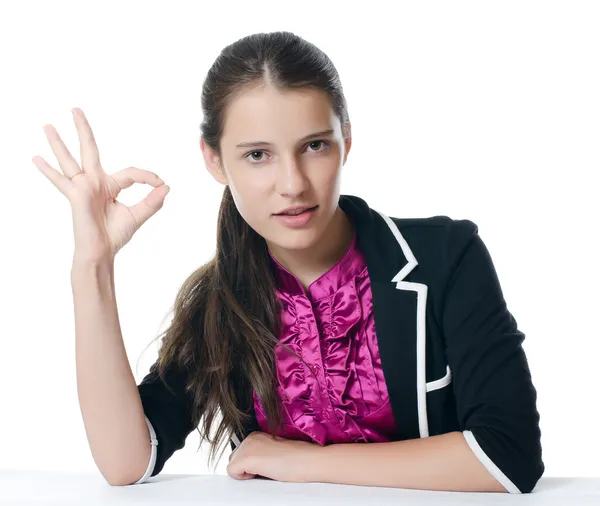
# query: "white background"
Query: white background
{"points": [[481, 110]]}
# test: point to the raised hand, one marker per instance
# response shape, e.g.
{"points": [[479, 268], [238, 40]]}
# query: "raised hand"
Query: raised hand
{"points": [[101, 224]]}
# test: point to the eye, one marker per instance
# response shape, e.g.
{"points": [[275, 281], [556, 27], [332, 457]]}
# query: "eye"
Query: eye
{"points": [[257, 161], [252, 153], [324, 143]]}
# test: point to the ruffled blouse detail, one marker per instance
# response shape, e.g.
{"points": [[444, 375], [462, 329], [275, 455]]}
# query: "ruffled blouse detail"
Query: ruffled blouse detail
{"points": [[341, 396]]}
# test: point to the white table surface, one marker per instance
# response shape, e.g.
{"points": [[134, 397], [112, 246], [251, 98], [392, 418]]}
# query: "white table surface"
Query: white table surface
{"points": [[56, 488]]}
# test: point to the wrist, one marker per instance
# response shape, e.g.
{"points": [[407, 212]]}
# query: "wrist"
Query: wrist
{"points": [[84, 265], [309, 463], [86, 260]]}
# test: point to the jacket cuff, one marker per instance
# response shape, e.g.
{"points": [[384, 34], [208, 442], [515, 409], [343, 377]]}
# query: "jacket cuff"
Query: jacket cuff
{"points": [[154, 443], [493, 469]]}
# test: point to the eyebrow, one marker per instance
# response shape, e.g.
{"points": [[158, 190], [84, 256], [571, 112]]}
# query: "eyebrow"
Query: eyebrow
{"points": [[255, 144]]}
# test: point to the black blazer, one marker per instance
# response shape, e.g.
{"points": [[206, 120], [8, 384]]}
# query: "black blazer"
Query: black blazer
{"points": [[450, 349]]}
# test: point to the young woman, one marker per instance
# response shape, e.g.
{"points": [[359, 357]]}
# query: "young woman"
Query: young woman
{"points": [[320, 323]]}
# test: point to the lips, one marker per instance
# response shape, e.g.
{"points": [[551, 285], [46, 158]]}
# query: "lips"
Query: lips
{"points": [[296, 214]]}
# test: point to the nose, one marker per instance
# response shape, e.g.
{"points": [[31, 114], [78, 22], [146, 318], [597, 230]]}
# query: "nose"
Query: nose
{"points": [[291, 179]]}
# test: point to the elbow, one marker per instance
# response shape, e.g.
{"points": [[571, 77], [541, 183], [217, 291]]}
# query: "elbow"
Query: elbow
{"points": [[145, 469], [523, 483], [131, 475], [118, 483], [527, 464], [122, 480], [517, 467], [531, 473]]}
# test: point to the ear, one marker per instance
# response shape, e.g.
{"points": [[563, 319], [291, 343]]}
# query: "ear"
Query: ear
{"points": [[348, 143], [212, 162]]}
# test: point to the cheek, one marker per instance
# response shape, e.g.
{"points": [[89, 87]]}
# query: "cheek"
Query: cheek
{"points": [[250, 204], [247, 193], [326, 179]]}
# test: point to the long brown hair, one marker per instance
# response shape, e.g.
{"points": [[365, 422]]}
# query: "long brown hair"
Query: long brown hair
{"points": [[227, 314]]}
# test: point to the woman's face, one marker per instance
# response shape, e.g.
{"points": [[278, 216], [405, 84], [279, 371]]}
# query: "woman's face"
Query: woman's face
{"points": [[288, 168]]}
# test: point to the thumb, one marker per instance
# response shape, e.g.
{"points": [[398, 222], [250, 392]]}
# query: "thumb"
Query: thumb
{"points": [[146, 208]]}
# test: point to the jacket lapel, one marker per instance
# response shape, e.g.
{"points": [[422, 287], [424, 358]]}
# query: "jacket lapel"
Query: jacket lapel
{"points": [[399, 313]]}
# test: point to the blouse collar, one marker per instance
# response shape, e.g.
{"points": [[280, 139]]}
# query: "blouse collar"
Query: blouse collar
{"points": [[351, 264]]}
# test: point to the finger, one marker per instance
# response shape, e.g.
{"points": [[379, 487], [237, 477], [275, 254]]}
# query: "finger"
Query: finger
{"points": [[68, 164], [143, 210], [58, 179], [247, 476], [126, 177], [238, 472], [90, 158]]}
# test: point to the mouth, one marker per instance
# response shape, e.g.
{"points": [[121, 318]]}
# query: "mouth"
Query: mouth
{"points": [[298, 214], [297, 220]]}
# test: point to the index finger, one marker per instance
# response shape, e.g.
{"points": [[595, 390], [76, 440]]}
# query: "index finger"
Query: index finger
{"points": [[90, 158]]}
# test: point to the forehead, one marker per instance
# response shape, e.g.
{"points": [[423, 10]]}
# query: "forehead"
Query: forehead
{"points": [[266, 114]]}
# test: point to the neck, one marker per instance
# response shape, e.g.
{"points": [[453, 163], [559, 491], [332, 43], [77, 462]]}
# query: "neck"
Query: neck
{"points": [[310, 264]]}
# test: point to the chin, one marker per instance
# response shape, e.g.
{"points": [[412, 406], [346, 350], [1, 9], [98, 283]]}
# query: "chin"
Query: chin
{"points": [[293, 239], [296, 239]]}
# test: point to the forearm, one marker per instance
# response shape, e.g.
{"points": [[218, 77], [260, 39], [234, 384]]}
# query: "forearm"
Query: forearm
{"points": [[443, 462], [108, 396]]}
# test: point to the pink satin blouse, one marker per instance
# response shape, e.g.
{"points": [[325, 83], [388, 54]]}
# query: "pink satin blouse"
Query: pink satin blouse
{"points": [[331, 327]]}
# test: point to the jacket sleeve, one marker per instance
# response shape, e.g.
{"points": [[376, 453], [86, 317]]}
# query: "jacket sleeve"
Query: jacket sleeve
{"points": [[495, 397], [168, 411]]}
